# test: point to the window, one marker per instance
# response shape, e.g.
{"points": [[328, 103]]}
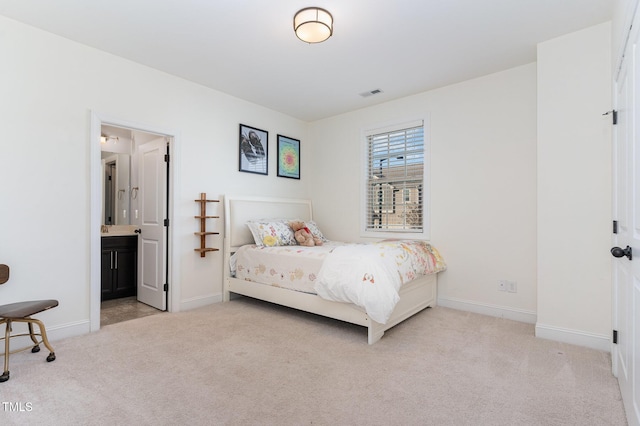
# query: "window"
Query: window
{"points": [[395, 180]]}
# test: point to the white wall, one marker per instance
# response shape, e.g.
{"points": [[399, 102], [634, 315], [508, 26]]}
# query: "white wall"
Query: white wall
{"points": [[48, 88], [574, 187], [483, 184]]}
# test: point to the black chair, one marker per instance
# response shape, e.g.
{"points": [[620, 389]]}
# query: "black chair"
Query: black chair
{"points": [[22, 312]]}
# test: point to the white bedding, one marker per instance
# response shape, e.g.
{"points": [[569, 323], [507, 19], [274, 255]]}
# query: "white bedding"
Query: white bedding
{"points": [[370, 275], [367, 275]]}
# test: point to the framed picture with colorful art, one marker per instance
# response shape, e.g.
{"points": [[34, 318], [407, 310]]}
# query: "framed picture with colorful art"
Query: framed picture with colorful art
{"points": [[288, 157]]}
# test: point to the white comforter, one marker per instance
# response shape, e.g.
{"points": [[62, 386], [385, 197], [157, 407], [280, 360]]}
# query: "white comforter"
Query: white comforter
{"points": [[370, 275]]}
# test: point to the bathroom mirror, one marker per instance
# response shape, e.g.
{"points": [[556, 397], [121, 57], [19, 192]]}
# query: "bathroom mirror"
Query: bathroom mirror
{"points": [[120, 173], [117, 189], [116, 145]]}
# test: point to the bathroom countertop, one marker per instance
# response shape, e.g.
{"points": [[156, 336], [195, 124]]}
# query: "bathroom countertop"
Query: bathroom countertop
{"points": [[118, 230]]}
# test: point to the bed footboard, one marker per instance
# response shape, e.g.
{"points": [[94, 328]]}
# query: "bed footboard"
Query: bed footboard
{"points": [[414, 297]]}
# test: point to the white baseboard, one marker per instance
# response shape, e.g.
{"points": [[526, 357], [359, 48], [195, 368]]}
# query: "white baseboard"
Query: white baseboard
{"points": [[574, 337], [69, 330], [54, 333], [491, 310], [543, 331], [199, 302]]}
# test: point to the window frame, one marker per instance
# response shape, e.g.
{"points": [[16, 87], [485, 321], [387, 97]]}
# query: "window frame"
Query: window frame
{"points": [[426, 184]]}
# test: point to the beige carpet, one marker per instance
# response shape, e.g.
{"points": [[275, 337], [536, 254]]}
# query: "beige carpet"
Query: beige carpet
{"points": [[250, 363]]}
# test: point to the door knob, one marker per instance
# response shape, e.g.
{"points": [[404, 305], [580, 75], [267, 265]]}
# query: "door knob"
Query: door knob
{"points": [[618, 252], [139, 231]]}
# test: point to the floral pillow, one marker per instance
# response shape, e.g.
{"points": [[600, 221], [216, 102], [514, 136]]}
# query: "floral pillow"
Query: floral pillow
{"points": [[315, 231], [271, 232]]}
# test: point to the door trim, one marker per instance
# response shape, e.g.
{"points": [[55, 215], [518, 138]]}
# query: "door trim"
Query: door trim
{"points": [[95, 179]]}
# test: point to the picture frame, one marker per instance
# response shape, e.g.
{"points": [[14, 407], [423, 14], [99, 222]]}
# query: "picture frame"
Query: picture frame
{"points": [[288, 157], [253, 150]]}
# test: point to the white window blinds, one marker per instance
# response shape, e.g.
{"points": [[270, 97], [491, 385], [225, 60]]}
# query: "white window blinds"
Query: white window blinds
{"points": [[395, 180]]}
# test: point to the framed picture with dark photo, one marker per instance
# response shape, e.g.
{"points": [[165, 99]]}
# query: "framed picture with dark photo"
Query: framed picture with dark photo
{"points": [[254, 149], [288, 157]]}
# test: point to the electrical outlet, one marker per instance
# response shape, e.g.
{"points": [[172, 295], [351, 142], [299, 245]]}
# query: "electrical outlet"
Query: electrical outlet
{"points": [[508, 286]]}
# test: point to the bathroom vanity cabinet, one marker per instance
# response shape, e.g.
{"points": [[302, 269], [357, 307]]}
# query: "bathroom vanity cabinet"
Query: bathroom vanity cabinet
{"points": [[119, 266]]}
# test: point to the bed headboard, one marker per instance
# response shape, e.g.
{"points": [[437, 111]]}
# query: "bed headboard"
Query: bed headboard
{"points": [[239, 209]]}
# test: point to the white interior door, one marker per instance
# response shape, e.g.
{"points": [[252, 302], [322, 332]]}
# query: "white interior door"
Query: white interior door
{"points": [[626, 241], [152, 172]]}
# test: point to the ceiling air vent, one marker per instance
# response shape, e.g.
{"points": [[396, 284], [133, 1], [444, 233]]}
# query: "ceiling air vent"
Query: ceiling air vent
{"points": [[370, 93]]}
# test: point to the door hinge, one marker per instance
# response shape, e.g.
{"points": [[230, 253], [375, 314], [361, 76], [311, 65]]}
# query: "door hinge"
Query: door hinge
{"points": [[166, 222], [614, 116], [615, 226], [166, 158], [166, 286], [615, 337]]}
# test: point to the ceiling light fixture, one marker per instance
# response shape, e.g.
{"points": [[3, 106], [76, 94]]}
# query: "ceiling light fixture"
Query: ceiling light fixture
{"points": [[313, 25]]}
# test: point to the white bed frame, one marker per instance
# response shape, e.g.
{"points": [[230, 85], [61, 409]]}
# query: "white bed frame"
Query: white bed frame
{"points": [[414, 296]]}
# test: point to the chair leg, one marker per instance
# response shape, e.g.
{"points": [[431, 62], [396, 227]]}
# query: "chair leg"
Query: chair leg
{"points": [[7, 336], [45, 341], [36, 348], [7, 332]]}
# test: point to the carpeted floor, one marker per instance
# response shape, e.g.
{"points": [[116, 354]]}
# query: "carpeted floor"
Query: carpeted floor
{"points": [[251, 363]]}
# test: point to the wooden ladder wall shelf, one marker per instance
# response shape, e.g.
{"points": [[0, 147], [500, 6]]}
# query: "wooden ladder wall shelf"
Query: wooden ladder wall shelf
{"points": [[203, 224]]}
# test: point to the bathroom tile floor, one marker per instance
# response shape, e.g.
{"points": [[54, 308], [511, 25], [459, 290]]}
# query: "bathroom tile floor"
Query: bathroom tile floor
{"points": [[124, 309]]}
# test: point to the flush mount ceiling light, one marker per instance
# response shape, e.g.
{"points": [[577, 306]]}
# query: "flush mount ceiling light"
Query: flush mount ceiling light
{"points": [[313, 25]]}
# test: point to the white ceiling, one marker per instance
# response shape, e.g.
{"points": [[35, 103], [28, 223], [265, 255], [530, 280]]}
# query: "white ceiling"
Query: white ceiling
{"points": [[247, 48]]}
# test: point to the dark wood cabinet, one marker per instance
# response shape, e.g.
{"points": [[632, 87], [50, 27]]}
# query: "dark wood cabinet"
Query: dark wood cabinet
{"points": [[119, 266]]}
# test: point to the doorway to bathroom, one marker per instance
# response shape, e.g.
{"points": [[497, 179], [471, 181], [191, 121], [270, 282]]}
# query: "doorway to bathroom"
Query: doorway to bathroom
{"points": [[130, 252]]}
